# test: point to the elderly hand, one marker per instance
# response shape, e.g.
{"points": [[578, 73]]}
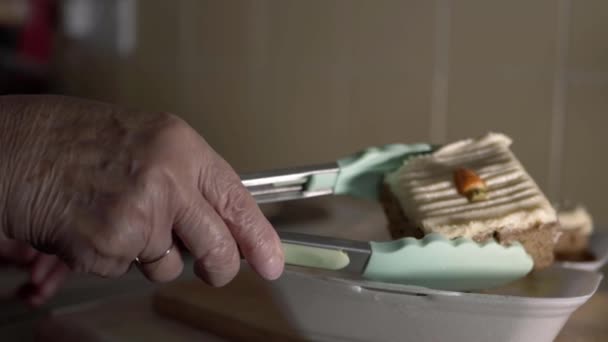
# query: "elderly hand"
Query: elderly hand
{"points": [[100, 186]]}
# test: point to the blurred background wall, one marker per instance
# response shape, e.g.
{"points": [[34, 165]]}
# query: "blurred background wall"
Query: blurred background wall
{"points": [[274, 83]]}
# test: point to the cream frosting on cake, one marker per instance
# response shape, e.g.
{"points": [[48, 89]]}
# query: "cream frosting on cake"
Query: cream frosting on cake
{"points": [[575, 218], [425, 188]]}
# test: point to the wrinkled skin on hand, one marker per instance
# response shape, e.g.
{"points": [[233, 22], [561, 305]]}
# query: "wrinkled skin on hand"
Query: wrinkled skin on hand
{"points": [[98, 186]]}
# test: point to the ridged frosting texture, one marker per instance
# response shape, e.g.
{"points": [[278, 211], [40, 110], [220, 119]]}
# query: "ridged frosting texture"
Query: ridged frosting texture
{"points": [[425, 188]]}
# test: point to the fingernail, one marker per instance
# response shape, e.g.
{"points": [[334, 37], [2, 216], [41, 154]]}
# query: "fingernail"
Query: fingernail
{"points": [[215, 279], [273, 267], [214, 276]]}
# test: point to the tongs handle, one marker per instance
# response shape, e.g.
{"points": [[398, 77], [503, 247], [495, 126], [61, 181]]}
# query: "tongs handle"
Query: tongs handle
{"points": [[292, 183]]}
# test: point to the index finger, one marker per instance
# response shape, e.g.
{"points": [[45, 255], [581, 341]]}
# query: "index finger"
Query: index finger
{"points": [[256, 237]]}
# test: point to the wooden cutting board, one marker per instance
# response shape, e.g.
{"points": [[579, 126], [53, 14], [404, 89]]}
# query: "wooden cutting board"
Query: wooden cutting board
{"points": [[246, 311]]}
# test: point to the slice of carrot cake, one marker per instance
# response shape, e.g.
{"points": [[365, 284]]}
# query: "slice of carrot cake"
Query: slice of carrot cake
{"points": [[474, 188]]}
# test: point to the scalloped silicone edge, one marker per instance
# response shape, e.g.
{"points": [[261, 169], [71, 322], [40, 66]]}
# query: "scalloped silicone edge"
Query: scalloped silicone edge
{"points": [[437, 262]]}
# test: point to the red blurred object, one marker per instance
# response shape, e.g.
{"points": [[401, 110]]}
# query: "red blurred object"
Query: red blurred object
{"points": [[36, 42], [27, 50]]}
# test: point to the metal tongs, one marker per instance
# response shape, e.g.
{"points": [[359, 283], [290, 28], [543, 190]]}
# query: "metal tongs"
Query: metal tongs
{"points": [[292, 183], [357, 175]]}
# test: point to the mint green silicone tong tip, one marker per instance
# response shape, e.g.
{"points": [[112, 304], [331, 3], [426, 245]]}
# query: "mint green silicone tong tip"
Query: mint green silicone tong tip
{"points": [[433, 261]]}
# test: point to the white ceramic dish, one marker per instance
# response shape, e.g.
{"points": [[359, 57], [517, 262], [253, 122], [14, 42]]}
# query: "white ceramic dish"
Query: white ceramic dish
{"points": [[531, 309], [598, 245]]}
